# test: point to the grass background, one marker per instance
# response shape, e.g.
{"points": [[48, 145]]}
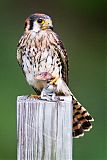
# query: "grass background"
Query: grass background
{"points": [[81, 26]]}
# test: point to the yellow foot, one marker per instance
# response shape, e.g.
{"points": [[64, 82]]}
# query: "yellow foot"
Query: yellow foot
{"points": [[54, 79], [35, 96]]}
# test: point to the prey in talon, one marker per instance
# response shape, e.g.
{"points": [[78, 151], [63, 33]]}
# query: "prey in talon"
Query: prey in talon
{"points": [[49, 91]]}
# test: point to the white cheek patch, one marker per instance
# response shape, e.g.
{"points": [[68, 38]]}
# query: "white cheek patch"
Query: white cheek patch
{"points": [[36, 27]]}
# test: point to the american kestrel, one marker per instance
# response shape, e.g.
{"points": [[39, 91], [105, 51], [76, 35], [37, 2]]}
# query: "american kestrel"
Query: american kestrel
{"points": [[43, 59]]}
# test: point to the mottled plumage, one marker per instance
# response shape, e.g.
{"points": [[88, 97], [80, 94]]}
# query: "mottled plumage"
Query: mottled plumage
{"points": [[41, 50]]}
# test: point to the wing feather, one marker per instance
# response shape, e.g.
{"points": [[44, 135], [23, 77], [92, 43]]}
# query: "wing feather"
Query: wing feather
{"points": [[62, 53]]}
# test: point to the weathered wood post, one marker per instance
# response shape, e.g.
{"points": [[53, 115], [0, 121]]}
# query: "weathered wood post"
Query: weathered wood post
{"points": [[44, 129]]}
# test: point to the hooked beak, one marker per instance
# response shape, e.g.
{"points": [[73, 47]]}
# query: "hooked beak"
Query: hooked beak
{"points": [[47, 25]]}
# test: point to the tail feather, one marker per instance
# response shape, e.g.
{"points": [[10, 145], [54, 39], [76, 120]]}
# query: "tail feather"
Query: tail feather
{"points": [[81, 119], [77, 128]]}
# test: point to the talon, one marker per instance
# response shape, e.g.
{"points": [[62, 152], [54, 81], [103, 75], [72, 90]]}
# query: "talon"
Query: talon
{"points": [[54, 79], [35, 96]]}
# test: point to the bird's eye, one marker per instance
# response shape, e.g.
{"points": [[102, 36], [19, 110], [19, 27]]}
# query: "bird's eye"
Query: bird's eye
{"points": [[41, 21]]}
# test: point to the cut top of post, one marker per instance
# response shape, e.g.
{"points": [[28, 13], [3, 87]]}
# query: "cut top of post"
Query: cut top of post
{"points": [[33, 100]]}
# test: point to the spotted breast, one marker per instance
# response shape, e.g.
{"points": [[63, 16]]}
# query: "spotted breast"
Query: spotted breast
{"points": [[41, 52]]}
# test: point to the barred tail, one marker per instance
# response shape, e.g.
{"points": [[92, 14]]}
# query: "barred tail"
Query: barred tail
{"points": [[81, 119]]}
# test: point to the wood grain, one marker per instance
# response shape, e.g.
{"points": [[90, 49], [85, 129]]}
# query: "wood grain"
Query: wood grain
{"points": [[44, 129]]}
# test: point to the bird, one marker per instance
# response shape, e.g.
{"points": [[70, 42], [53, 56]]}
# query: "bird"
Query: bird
{"points": [[40, 51]]}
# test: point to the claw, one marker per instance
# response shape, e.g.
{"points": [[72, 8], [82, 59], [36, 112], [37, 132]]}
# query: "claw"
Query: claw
{"points": [[34, 96], [54, 79]]}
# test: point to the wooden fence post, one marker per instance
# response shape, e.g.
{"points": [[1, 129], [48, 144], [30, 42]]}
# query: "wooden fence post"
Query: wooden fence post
{"points": [[44, 129]]}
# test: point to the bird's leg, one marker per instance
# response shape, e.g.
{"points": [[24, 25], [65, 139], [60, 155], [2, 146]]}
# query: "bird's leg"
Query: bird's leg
{"points": [[54, 78]]}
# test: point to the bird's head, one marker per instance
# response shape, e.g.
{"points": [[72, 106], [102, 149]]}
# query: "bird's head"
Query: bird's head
{"points": [[38, 22]]}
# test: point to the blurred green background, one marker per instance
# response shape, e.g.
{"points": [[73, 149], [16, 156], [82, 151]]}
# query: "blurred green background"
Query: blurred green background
{"points": [[81, 27]]}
